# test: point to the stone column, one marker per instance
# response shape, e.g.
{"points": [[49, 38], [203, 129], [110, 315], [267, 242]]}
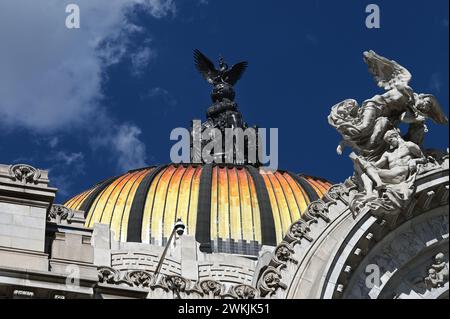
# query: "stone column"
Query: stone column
{"points": [[25, 199]]}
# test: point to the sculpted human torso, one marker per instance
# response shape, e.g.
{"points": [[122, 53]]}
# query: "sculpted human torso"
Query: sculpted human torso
{"points": [[400, 156]]}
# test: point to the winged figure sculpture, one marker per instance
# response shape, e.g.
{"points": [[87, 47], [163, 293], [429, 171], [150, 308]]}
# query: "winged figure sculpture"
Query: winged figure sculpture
{"points": [[363, 126], [387, 73], [395, 79], [217, 76]]}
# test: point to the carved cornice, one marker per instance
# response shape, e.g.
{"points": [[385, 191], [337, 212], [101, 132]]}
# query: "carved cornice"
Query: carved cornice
{"points": [[181, 287]]}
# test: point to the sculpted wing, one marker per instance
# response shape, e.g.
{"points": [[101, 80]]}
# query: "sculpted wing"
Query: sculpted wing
{"points": [[435, 112], [205, 66], [235, 73], [387, 73]]}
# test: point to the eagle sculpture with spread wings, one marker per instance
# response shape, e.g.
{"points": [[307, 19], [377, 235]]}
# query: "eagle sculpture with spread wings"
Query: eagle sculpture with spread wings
{"points": [[223, 75]]}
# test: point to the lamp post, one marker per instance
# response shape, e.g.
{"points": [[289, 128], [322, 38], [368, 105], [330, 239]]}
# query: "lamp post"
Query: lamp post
{"points": [[178, 228]]}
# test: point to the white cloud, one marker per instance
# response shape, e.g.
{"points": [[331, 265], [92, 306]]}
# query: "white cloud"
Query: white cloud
{"points": [[53, 141], [69, 158], [51, 76], [129, 147], [124, 141], [166, 96], [64, 167], [141, 59]]}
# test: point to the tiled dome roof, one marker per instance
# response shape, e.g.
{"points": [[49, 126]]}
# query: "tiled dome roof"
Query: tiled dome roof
{"points": [[231, 209]]}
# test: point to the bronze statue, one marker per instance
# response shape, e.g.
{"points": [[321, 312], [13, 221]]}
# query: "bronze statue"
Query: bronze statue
{"points": [[223, 113], [224, 75]]}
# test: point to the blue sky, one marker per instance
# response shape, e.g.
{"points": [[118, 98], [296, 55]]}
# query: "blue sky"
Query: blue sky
{"points": [[94, 102]]}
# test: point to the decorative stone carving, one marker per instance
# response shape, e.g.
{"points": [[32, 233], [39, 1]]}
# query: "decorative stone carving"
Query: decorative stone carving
{"points": [[244, 291], [108, 275], [271, 282], [336, 192], [210, 287], [59, 213], [24, 173], [386, 164], [299, 230], [283, 253], [437, 273], [180, 286], [318, 209], [139, 278], [388, 183]]}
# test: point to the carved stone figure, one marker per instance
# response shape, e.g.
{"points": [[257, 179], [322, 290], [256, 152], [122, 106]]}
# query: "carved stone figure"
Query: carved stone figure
{"points": [[395, 166], [389, 182], [363, 128], [437, 273], [386, 163]]}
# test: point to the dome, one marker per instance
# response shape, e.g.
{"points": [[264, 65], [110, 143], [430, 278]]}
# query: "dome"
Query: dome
{"points": [[230, 209]]}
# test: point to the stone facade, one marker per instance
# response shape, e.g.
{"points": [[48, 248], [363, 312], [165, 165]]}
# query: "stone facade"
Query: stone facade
{"points": [[46, 252]]}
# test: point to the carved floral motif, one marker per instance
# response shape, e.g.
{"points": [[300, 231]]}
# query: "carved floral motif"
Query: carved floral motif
{"points": [[139, 278], [211, 287], [60, 213], [24, 173], [245, 291]]}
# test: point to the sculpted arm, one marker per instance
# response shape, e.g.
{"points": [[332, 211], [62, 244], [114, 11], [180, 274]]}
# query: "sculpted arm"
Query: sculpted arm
{"points": [[415, 150], [417, 156], [381, 162]]}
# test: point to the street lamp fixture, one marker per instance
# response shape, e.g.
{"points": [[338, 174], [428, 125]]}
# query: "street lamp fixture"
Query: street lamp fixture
{"points": [[178, 228]]}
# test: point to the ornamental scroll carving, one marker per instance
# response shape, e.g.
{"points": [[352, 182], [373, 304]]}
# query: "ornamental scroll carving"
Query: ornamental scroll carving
{"points": [[24, 173], [180, 286], [58, 213]]}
